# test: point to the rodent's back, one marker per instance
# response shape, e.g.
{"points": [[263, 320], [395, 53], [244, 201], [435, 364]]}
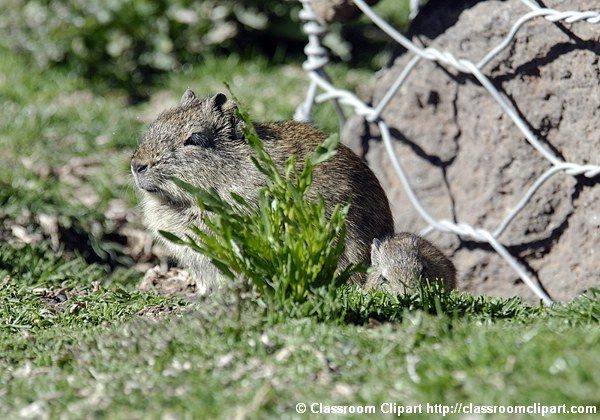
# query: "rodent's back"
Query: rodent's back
{"points": [[343, 178], [435, 263]]}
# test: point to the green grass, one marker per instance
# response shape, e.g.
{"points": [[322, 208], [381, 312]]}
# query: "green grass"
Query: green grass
{"points": [[208, 362], [78, 339], [42, 289]]}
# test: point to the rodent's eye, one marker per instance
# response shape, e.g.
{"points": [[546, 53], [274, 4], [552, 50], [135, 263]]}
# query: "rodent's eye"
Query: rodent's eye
{"points": [[198, 139]]}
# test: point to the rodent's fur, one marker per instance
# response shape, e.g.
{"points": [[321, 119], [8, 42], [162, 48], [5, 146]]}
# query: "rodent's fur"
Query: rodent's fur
{"points": [[399, 261], [218, 157]]}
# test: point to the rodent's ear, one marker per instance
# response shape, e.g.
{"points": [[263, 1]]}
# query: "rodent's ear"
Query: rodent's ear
{"points": [[222, 104], [219, 100], [414, 240], [187, 97], [375, 247]]}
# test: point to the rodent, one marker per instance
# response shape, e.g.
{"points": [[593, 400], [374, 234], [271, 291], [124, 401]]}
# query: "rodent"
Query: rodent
{"points": [[200, 141], [400, 261]]}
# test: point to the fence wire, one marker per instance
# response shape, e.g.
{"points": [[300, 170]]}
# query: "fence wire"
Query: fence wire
{"points": [[321, 89]]}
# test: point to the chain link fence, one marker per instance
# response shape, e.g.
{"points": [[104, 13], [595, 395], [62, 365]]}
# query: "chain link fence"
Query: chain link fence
{"points": [[322, 89]]}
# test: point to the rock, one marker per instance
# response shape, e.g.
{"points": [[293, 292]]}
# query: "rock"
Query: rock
{"points": [[328, 11], [467, 160]]}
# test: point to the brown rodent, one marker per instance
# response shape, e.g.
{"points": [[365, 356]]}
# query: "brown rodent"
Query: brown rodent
{"points": [[399, 262], [201, 142]]}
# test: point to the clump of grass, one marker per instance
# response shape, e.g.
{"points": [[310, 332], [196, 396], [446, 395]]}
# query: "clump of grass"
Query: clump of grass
{"points": [[584, 309], [353, 305], [286, 246]]}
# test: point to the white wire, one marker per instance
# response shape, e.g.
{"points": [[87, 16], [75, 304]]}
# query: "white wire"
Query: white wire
{"points": [[414, 9]]}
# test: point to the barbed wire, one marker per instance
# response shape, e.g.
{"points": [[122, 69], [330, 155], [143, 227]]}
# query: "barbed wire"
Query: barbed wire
{"points": [[317, 59]]}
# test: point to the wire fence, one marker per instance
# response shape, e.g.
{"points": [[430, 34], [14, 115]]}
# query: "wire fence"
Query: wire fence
{"points": [[321, 89]]}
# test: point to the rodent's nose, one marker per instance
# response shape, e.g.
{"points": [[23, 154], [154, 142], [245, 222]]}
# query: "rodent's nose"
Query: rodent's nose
{"points": [[138, 167]]}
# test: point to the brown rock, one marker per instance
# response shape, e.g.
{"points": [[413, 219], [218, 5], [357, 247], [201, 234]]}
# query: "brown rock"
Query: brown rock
{"points": [[467, 160]]}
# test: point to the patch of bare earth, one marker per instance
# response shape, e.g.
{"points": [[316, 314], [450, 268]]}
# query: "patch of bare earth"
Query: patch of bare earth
{"points": [[59, 300], [170, 282]]}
